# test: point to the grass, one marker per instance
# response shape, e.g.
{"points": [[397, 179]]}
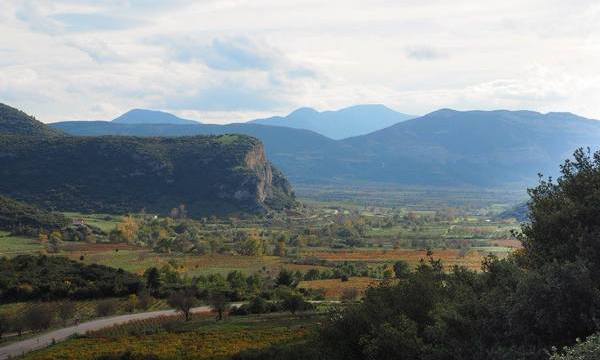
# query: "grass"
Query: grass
{"points": [[105, 222], [16, 245], [202, 338]]}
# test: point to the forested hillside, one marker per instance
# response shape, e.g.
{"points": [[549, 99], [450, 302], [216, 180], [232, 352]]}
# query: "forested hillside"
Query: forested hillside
{"points": [[22, 218], [206, 174], [16, 122]]}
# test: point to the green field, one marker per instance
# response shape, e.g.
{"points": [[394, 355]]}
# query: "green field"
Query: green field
{"points": [[14, 245]]}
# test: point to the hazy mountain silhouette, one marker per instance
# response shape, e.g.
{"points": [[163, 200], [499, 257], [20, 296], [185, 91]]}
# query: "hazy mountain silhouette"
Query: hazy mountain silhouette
{"points": [[340, 124]]}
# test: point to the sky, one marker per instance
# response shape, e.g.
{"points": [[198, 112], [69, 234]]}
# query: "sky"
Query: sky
{"points": [[222, 61]]}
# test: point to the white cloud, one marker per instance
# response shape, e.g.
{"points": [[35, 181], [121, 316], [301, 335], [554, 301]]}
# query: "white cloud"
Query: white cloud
{"points": [[227, 60]]}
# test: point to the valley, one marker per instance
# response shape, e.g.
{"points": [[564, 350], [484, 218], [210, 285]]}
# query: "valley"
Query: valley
{"points": [[198, 240]]}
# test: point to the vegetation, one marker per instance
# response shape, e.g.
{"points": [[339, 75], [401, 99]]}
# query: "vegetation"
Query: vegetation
{"points": [[169, 338], [487, 148], [582, 350], [27, 277], [23, 219], [208, 174], [15, 122], [502, 312]]}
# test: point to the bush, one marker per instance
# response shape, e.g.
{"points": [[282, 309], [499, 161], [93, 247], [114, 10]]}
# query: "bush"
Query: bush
{"points": [[258, 305]]}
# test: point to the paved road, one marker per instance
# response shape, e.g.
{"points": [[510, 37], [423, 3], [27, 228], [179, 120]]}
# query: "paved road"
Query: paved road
{"points": [[44, 340]]}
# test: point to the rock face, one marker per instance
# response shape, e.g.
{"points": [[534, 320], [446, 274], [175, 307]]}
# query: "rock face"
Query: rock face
{"points": [[210, 175]]}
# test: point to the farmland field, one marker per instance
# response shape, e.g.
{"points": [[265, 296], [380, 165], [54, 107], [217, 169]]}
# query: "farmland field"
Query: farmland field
{"points": [[201, 338]]}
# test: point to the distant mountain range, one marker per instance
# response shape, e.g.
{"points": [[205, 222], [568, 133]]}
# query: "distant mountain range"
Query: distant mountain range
{"points": [[443, 148], [208, 174], [341, 124]]}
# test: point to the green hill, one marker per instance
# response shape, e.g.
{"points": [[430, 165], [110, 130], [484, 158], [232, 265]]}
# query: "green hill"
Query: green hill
{"points": [[16, 122], [22, 218], [208, 174]]}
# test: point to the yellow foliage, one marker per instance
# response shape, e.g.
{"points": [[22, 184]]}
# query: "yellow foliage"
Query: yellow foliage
{"points": [[128, 228]]}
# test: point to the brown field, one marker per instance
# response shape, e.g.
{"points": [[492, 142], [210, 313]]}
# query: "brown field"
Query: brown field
{"points": [[450, 257], [334, 287], [509, 243]]}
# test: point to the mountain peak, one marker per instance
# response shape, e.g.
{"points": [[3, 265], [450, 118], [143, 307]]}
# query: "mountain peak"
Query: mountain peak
{"points": [[302, 112], [144, 116]]}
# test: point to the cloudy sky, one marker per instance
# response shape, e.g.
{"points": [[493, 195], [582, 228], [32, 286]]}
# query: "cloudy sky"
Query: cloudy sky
{"points": [[233, 60]]}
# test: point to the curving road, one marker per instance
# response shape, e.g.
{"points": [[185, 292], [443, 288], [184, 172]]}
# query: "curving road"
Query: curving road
{"points": [[44, 340]]}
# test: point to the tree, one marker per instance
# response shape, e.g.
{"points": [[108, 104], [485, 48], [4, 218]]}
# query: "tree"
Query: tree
{"points": [[219, 302], [65, 311], [132, 302], [564, 222], [280, 246], [153, 280], [258, 305], [54, 241], [293, 302], [248, 245], [401, 269], [286, 278], [4, 324], [144, 299], [237, 283], [183, 301], [38, 317], [17, 323], [129, 228]]}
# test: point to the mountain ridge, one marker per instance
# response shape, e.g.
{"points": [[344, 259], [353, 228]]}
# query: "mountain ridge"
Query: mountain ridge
{"points": [[339, 124], [444, 148]]}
